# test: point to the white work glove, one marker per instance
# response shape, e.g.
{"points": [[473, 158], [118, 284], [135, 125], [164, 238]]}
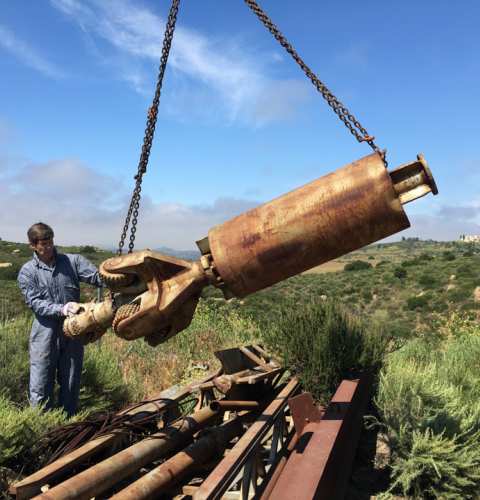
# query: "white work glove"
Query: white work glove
{"points": [[70, 308]]}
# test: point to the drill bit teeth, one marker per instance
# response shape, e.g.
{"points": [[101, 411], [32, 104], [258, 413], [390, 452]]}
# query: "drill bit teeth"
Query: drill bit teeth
{"points": [[114, 281]]}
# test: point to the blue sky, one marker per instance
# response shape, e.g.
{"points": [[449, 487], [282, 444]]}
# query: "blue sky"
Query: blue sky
{"points": [[239, 123]]}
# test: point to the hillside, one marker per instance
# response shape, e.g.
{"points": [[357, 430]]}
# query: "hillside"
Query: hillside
{"points": [[404, 284]]}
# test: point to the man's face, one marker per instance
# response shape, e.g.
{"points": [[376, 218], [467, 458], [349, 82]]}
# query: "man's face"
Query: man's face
{"points": [[44, 249]]}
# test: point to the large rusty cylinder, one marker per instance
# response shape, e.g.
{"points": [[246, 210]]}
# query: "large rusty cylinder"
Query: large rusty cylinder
{"points": [[354, 206]]}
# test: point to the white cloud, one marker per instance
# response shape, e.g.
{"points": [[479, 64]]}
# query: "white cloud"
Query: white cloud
{"points": [[448, 223], [85, 207], [208, 73], [28, 55]]}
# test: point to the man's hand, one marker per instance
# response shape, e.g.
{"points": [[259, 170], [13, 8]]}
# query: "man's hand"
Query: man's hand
{"points": [[71, 308], [90, 322]]}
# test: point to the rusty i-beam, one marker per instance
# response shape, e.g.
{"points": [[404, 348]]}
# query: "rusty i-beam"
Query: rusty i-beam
{"points": [[320, 463]]}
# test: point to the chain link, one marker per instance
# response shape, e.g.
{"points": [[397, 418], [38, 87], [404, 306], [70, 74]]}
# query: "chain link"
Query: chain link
{"points": [[340, 110], [149, 133]]}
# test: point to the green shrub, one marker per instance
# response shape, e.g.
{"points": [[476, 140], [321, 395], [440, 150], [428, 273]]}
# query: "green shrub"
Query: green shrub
{"points": [[428, 400], [400, 272], [459, 294], [449, 256], [400, 329], [425, 256], [428, 280], [465, 270], [357, 265], [20, 428], [322, 344], [367, 295], [417, 302]]}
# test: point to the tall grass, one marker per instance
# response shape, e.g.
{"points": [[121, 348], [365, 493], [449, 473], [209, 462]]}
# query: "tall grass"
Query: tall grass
{"points": [[186, 356], [102, 388]]}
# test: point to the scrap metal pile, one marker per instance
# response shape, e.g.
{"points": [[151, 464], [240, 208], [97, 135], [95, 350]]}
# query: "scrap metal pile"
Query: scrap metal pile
{"points": [[249, 435]]}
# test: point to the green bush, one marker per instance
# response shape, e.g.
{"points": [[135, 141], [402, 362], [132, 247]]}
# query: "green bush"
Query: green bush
{"points": [[465, 270], [367, 295], [460, 293], [417, 302], [357, 265], [20, 428], [428, 280], [425, 256], [323, 344], [10, 273], [428, 400], [400, 272], [449, 256]]}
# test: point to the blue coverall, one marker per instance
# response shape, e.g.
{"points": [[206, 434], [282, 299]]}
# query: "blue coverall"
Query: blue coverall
{"points": [[46, 290]]}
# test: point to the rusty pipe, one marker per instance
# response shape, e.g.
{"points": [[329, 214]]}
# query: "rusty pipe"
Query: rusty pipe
{"points": [[413, 180], [102, 476], [352, 207], [225, 405], [155, 482]]}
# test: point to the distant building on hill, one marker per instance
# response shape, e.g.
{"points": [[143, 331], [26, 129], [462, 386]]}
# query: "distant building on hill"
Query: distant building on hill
{"points": [[470, 238]]}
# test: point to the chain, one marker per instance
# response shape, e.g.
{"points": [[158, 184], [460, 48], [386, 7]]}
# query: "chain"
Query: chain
{"points": [[149, 133], [341, 111]]}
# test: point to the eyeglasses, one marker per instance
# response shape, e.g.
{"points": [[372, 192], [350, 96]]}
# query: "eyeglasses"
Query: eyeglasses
{"points": [[47, 242]]}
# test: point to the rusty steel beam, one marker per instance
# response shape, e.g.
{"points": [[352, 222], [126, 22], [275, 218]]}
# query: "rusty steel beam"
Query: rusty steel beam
{"points": [[104, 475], [276, 472], [158, 480], [303, 411], [320, 465], [226, 471], [31, 485]]}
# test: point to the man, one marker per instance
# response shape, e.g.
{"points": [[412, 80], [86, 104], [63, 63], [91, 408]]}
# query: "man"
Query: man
{"points": [[50, 284]]}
